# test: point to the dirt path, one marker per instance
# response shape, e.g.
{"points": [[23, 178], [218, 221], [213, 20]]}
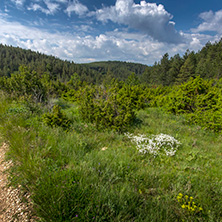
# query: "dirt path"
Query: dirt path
{"points": [[11, 208]]}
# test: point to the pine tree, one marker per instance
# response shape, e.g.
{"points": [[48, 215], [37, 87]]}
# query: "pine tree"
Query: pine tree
{"points": [[187, 70]]}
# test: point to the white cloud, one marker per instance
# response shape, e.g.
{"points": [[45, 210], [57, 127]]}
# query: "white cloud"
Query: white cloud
{"points": [[149, 18], [62, 1], [211, 22], [51, 8], [18, 3], [77, 8], [82, 29], [6, 10], [36, 7], [113, 45]]}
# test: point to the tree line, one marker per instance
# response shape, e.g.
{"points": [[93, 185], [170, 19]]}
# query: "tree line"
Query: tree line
{"points": [[206, 63]]}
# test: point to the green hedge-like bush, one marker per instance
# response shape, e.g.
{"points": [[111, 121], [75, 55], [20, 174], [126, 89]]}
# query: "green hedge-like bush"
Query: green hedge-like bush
{"points": [[57, 118], [184, 98], [113, 107], [198, 100], [26, 84]]}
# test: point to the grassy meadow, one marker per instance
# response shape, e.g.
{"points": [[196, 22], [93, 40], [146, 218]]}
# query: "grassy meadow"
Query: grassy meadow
{"points": [[89, 174]]}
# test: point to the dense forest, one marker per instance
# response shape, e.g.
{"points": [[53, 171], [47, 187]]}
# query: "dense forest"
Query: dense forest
{"points": [[114, 141], [168, 71], [11, 58]]}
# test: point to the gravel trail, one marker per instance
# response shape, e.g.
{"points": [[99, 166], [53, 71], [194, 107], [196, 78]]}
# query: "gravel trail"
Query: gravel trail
{"points": [[11, 208]]}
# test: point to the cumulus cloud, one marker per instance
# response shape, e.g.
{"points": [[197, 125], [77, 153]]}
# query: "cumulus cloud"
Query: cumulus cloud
{"points": [[149, 18], [115, 45], [76, 7], [212, 21], [51, 8]]}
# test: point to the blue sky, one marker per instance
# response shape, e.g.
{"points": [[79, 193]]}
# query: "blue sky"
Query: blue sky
{"points": [[126, 30]]}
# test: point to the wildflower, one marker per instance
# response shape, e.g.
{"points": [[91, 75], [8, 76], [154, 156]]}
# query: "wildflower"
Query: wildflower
{"points": [[156, 145], [188, 204]]}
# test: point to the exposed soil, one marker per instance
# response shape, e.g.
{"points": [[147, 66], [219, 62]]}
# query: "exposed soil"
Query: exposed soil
{"points": [[11, 207]]}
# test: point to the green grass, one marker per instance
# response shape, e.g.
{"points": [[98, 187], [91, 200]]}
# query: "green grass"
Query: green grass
{"points": [[70, 177]]}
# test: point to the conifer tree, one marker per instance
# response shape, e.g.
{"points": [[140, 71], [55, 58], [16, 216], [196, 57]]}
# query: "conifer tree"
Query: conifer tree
{"points": [[187, 70]]}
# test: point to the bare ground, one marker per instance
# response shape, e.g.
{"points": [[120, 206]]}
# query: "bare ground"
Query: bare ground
{"points": [[11, 207]]}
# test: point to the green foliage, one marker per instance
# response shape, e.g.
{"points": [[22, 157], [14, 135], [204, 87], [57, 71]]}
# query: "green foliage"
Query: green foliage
{"points": [[187, 70], [71, 177], [168, 71], [209, 111], [199, 100], [155, 95], [86, 174], [117, 69], [11, 58], [57, 118], [25, 84], [113, 107], [183, 99], [91, 175], [75, 82]]}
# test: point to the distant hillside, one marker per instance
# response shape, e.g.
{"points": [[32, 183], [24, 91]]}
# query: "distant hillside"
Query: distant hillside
{"points": [[117, 69], [12, 57], [206, 63]]}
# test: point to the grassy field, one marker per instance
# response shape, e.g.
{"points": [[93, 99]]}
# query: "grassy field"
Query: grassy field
{"points": [[85, 174]]}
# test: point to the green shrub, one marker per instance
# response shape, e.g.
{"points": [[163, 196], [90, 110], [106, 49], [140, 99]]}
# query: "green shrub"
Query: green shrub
{"points": [[154, 96], [26, 84], [113, 107], [198, 100], [57, 118], [183, 99], [209, 119]]}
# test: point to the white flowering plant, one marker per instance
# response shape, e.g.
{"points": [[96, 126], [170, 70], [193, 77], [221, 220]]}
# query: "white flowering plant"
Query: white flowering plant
{"points": [[161, 144]]}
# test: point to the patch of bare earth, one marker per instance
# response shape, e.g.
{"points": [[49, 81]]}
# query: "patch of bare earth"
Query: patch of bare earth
{"points": [[11, 207]]}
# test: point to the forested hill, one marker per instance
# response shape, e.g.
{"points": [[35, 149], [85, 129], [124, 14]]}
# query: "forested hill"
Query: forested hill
{"points": [[117, 69], [12, 57], [207, 63]]}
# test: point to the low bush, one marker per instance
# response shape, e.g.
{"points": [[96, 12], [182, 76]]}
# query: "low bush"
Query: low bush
{"points": [[199, 100], [184, 98], [26, 84], [57, 118], [112, 107]]}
